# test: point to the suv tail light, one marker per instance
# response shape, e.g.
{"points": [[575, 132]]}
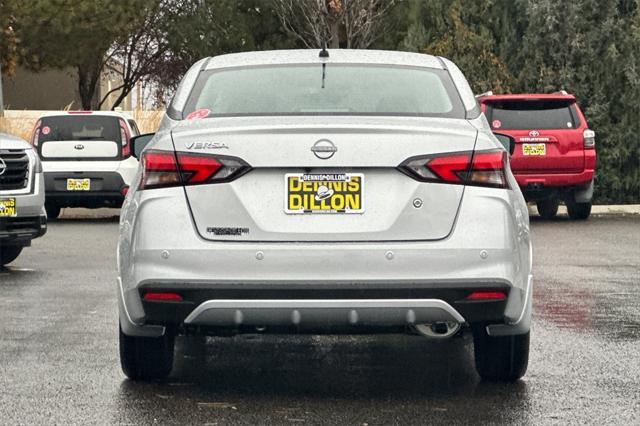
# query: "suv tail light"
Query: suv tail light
{"points": [[124, 137], [35, 135], [163, 169], [480, 168], [589, 139]]}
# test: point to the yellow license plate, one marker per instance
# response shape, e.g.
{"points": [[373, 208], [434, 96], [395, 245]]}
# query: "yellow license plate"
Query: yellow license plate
{"points": [[78, 184], [534, 149], [323, 193], [8, 207]]}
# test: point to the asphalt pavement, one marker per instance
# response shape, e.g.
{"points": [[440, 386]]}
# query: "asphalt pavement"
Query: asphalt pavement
{"points": [[59, 350]]}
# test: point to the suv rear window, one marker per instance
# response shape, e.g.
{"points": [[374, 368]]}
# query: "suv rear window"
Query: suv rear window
{"points": [[79, 128], [524, 115]]}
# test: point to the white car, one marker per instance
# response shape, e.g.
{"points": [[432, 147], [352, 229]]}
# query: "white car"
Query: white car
{"points": [[22, 215], [86, 158], [346, 191]]}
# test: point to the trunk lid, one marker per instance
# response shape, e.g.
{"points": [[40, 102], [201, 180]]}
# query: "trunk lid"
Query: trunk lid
{"points": [[252, 207]]}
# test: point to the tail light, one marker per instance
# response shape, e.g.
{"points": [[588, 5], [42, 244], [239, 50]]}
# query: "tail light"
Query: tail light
{"points": [[480, 168], [35, 135], [124, 137], [163, 169], [589, 139], [487, 295], [153, 296]]}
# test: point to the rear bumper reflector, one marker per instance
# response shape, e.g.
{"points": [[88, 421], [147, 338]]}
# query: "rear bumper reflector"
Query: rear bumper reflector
{"points": [[162, 297], [487, 295]]}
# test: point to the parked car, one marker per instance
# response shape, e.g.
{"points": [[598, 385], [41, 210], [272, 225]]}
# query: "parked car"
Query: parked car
{"points": [[22, 214], [288, 191], [86, 158], [555, 157]]}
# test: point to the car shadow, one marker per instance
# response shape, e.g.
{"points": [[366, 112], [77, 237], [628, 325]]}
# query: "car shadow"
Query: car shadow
{"points": [[83, 220], [84, 215], [319, 371], [344, 366], [558, 218]]}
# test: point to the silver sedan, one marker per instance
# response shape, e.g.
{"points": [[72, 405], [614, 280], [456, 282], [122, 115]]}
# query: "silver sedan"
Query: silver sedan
{"points": [[339, 191]]}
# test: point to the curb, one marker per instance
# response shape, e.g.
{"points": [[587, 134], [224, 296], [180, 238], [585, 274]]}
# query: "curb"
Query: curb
{"points": [[620, 209]]}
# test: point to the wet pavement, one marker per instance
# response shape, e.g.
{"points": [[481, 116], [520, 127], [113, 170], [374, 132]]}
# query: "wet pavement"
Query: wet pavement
{"points": [[59, 353]]}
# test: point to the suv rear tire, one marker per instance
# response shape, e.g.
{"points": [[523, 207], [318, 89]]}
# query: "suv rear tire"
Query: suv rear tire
{"points": [[53, 211], [578, 211], [500, 358], [146, 358], [8, 254], [548, 208]]}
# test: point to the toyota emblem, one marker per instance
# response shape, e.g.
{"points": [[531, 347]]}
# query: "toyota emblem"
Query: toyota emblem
{"points": [[534, 133]]}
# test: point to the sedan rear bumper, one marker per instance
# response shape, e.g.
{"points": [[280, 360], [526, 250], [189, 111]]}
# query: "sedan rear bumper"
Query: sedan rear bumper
{"points": [[336, 308]]}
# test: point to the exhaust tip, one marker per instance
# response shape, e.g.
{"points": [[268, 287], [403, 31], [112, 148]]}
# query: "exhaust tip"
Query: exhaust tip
{"points": [[438, 330]]}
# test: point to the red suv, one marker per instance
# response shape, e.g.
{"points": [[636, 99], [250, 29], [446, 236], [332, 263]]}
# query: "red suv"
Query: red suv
{"points": [[554, 155]]}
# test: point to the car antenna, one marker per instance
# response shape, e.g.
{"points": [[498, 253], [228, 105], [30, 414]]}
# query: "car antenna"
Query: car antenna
{"points": [[324, 53]]}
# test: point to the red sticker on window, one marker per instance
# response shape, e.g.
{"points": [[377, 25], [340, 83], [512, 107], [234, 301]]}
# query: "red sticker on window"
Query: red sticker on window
{"points": [[496, 124], [46, 130], [198, 114]]}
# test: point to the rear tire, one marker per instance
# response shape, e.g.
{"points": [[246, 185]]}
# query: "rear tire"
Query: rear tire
{"points": [[53, 211], [548, 208], [146, 358], [500, 358], [578, 211], [8, 254]]}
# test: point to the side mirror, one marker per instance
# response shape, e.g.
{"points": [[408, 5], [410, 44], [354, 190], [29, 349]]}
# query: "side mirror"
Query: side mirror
{"points": [[138, 143], [507, 141]]}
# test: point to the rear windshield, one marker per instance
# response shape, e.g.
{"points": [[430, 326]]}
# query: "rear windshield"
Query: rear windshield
{"points": [[79, 128], [523, 115], [330, 90]]}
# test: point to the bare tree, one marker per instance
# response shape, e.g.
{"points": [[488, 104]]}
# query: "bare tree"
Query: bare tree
{"points": [[349, 23], [135, 56]]}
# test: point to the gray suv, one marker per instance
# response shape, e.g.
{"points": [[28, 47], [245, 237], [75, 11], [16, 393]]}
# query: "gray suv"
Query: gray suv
{"points": [[22, 214], [345, 191]]}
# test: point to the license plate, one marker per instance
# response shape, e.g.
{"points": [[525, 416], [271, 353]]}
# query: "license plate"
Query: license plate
{"points": [[78, 184], [323, 193], [8, 207], [534, 149]]}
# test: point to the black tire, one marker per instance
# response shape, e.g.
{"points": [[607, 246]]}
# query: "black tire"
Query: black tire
{"points": [[146, 358], [578, 211], [548, 209], [8, 254], [53, 211], [500, 359]]}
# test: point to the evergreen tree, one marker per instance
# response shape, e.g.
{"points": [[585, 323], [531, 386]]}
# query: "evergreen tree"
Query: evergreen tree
{"points": [[591, 49]]}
